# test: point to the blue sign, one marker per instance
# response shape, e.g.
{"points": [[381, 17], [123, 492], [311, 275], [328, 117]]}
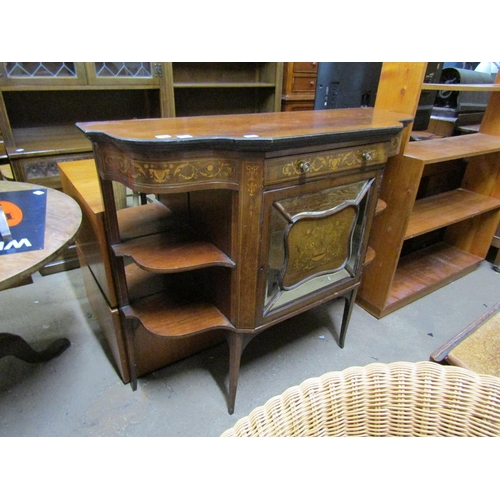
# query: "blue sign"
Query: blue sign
{"points": [[24, 212]]}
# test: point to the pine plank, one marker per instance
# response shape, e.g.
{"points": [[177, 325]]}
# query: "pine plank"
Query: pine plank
{"points": [[447, 208], [427, 270], [461, 87], [451, 148]]}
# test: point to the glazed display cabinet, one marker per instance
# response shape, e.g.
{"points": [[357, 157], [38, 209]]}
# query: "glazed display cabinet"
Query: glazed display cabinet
{"points": [[40, 102]]}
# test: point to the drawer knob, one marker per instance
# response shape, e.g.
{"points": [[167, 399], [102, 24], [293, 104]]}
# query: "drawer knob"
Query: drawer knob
{"points": [[304, 166], [367, 155]]}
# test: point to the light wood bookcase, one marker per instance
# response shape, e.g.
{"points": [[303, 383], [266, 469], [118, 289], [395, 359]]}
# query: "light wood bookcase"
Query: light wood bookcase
{"points": [[456, 227]]}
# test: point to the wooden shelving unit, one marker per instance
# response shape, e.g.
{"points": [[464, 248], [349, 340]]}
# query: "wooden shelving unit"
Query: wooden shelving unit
{"points": [[202, 88], [299, 86], [456, 226], [38, 110]]}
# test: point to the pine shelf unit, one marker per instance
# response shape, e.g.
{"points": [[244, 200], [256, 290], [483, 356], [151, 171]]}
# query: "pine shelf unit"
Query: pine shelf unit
{"points": [[422, 243]]}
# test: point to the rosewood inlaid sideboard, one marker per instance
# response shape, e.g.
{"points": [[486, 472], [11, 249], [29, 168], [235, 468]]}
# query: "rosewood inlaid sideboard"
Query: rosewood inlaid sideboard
{"points": [[254, 218]]}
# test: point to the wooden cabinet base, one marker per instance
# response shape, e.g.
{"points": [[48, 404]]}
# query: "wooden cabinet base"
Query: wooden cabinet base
{"points": [[79, 180], [279, 210], [151, 352]]}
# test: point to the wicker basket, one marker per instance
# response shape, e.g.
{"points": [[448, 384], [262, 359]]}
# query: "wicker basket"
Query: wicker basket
{"points": [[397, 399]]}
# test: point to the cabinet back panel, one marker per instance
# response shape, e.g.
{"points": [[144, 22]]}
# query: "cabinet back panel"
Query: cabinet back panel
{"points": [[41, 108], [230, 72], [219, 101]]}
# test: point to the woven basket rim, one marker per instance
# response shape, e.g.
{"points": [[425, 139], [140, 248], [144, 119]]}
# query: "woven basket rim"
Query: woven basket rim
{"points": [[401, 398]]}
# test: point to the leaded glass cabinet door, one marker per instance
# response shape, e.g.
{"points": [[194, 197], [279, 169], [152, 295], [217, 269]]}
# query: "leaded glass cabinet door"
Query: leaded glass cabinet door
{"points": [[126, 73], [42, 73], [316, 242]]}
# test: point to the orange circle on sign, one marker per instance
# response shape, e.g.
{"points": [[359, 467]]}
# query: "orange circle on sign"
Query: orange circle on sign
{"points": [[13, 213]]}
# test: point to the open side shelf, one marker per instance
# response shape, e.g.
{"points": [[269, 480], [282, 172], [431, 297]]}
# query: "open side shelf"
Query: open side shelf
{"points": [[172, 251], [370, 256], [427, 270], [370, 252], [381, 206], [143, 220], [435, 212], [163, 315], [158, 241]]}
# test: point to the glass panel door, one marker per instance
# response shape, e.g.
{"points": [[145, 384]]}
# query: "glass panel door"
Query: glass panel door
{"points": [[315, 242], [42, 73], [129, 73]]}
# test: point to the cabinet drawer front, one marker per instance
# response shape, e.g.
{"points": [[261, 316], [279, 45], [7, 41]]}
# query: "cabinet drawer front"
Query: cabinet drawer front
{"points": [[43, 170], [305, 67], [304, 84], [309, 165]]}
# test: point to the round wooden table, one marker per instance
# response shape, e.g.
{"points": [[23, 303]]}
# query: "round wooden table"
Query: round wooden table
{"points": [[63, 219]]}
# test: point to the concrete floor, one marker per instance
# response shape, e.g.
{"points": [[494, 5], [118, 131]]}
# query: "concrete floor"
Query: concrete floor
{"points": [[80, 393]]}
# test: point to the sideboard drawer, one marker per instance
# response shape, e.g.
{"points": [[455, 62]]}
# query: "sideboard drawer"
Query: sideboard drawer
{"points": [[43, 170], [315, 164], [303, 83], [305, 67]]}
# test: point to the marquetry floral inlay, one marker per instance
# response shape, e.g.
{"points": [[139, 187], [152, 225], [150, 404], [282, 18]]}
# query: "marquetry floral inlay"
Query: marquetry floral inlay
{"points": [[394, 145], [252, 172], [333, 161], [159, 172], [318, 246]]}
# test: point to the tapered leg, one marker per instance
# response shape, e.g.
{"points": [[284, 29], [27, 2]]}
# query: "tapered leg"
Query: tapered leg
{"points": [[14, 345], [129, 328], [237, 342], [496, 262], [350, 299]]}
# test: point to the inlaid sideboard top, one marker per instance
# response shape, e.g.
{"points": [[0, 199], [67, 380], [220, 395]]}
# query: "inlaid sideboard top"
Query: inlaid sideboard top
{"points": [[250, 132]]}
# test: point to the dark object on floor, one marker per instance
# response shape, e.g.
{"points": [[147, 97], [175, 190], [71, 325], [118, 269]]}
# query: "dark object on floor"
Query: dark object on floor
{"points": [[14, 345]]}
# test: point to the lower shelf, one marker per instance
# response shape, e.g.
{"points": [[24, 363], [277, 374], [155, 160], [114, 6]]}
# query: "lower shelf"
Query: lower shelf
{"points": [[164, 316], [427, 270]]}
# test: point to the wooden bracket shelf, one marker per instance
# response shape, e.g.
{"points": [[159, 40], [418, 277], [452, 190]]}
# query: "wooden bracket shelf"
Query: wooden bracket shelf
{"points": [[171, 252], [370, 256], [158, 242], [161, 315]]}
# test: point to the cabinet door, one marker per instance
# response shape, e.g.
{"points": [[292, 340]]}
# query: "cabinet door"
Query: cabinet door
{"points": [[123, 73], [39, 74], [315, 241]]}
